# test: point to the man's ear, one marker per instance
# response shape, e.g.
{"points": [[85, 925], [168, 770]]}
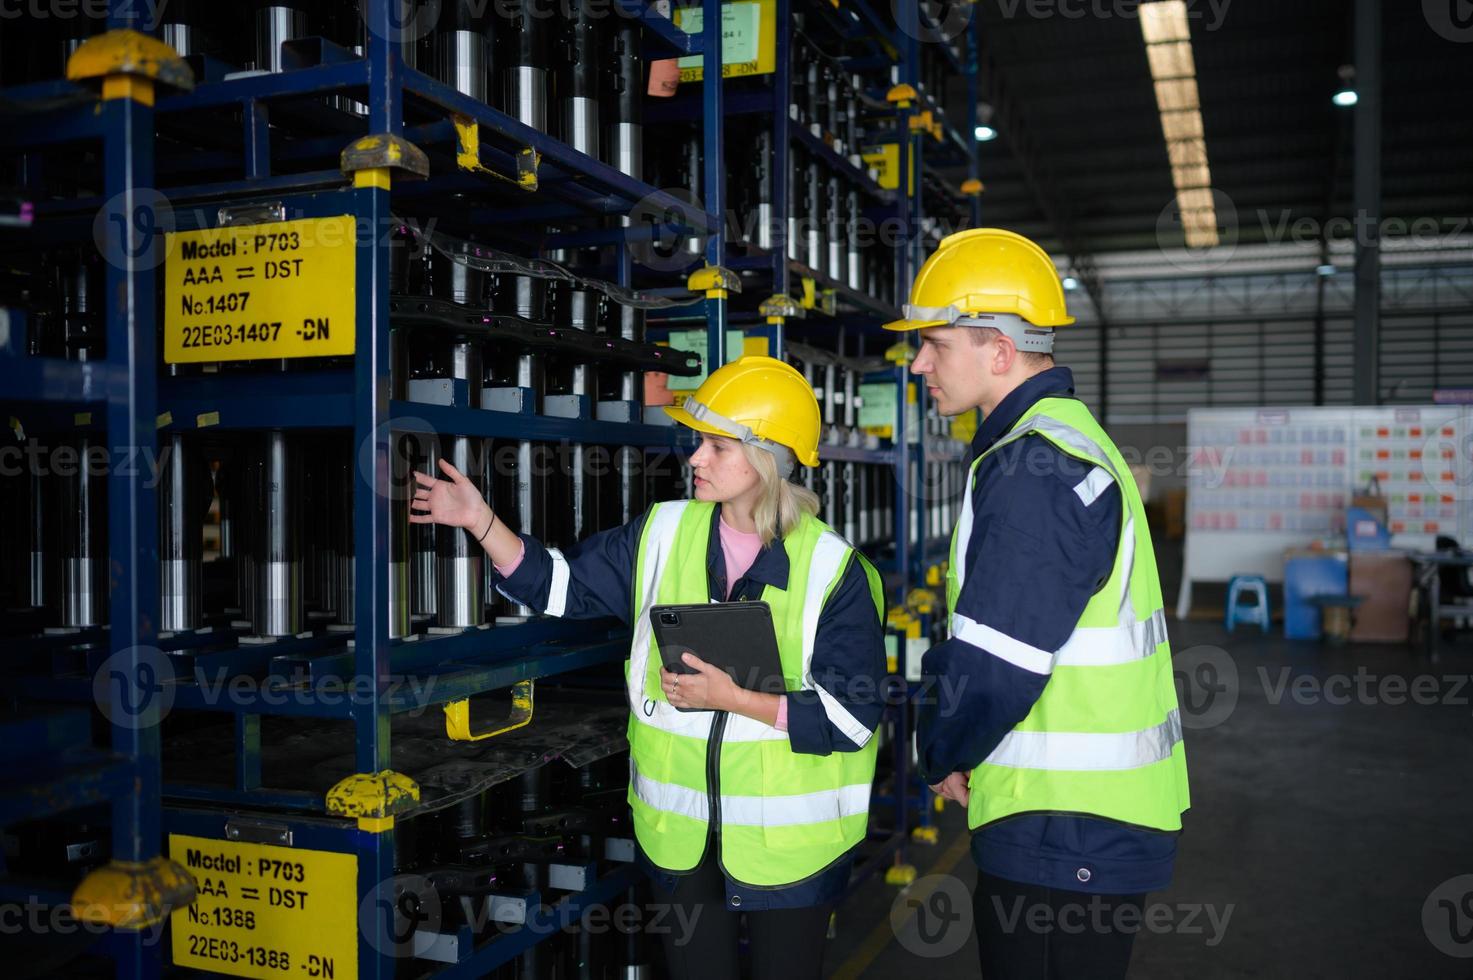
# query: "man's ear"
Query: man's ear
{"points": [[1005, 352]]}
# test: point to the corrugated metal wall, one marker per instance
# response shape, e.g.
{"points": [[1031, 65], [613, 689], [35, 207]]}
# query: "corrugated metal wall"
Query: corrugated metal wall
{"points": [[1176, 344]]}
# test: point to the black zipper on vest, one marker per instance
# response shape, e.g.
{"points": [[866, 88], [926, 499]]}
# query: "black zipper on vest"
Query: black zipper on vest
{"points": [[713, 774]]}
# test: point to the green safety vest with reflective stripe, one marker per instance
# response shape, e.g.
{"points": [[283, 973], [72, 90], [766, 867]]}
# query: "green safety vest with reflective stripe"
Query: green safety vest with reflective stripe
{"points": [[1104, 738], [783, 815]]}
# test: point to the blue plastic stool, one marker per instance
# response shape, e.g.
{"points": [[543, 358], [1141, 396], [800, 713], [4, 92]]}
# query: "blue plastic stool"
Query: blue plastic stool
{"points": [[1240, 586]]}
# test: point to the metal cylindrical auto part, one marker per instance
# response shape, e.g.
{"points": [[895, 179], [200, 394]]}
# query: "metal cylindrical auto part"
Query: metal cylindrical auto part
{"points": [[835, 238], [181, 543], [463, 61], [523, 50], [579, 81], [813, 232], [79, 284], [453, 279], [851, 516], [461, 599], [854, 259], [82, 510], [39, 566], [275, 24], [797, 178], [275, 487]]}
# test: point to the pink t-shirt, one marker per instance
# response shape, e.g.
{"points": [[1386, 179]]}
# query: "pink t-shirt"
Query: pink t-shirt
{"points": [[740, 549]]}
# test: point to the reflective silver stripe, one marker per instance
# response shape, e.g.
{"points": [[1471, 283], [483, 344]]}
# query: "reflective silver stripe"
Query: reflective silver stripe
{"points": [[659, 538], [946, 314], [828, 558], [1089, 489], [1106, 646], [1088, 751], [669, 797], [964, 528], [789, 811], [557, 594], [1000, 645], [740, 728], [703, 413], [1024, 335], [752, 811], [1066, 434]]}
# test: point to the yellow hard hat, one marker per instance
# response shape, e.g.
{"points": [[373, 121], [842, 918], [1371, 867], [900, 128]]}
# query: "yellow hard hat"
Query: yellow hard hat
{"points": [[761, 401], [986, 273]]}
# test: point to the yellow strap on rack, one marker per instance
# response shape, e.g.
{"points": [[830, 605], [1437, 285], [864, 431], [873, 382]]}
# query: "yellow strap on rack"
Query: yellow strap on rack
{"points": [[458, 715], [468, 155]]}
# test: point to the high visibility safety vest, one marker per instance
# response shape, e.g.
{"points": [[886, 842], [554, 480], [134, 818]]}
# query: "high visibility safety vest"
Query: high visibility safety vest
{"points": [[782, 815], [1104, 739]]}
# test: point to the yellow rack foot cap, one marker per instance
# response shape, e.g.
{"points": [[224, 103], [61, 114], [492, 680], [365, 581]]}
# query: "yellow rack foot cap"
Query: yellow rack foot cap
{"points": [[373, 795], [900, 874], [383, 151], [926, 835], [132, 895], [131, 54]]}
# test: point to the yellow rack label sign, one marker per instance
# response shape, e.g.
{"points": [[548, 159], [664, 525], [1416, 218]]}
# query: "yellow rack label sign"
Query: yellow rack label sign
{"points": [[252, 292], [748, 39], [267, 911]]}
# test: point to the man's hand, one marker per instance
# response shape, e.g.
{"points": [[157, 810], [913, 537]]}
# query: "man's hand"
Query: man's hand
{"points": [[954, 787]]}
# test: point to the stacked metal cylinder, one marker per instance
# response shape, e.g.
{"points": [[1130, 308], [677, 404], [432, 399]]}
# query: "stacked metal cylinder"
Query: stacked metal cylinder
{"points": [[857, 499]]}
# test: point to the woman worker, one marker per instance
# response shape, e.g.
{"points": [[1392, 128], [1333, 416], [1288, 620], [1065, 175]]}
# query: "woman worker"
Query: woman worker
{"points": [[755, 802]]}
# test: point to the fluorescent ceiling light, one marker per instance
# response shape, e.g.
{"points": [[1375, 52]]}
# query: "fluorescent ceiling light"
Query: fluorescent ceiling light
{"points": [[1192, 175], [1194, 198], [1187, 151], [1345, 98], [985, 134], [1071, 283], [1171, 60], [1168, 40], [1182, 125], [1164, 22], [1176, 93]]}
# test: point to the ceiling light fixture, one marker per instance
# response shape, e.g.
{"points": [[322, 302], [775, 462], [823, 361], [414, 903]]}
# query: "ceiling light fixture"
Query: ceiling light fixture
{"points": [[1168, 41], [985, 134], [1346, 96]]}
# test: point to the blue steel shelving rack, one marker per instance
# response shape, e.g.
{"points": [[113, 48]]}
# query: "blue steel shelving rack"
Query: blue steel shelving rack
{"points": [[52, 766], [127, 384]]}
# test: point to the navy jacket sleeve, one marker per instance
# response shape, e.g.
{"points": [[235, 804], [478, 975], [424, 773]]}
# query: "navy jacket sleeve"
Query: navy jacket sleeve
{"points": [[593, 578], [842, 710], [1044, 538]]}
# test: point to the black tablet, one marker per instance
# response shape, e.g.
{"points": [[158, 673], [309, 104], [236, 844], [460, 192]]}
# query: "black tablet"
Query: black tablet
{"points": [[738, 637]]}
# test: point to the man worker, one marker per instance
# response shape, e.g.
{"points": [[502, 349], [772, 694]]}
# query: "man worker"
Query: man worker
{"points": [[1060, 733]]}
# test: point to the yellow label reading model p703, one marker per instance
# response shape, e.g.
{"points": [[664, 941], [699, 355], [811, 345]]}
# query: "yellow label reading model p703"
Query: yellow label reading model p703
{"points": [[250, 292], [267, 911]]}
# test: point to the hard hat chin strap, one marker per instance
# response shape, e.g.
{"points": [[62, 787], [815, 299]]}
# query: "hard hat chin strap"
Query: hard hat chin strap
{"points": [[1024, 335], [784, 456]]}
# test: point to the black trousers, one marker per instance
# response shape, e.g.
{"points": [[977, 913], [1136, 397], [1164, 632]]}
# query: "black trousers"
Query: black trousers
{"points": [[1029, 932], [700, 933]]}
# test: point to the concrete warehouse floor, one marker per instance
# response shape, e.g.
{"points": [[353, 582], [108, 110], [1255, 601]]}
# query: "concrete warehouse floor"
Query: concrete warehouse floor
{"points": [[1320, 830]]}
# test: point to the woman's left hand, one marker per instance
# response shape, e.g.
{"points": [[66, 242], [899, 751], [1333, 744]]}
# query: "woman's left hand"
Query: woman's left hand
{"points": [[710, 689]]}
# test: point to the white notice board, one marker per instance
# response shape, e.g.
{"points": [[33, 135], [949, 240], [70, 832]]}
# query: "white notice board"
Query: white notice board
{"points": [[1261, 480]]}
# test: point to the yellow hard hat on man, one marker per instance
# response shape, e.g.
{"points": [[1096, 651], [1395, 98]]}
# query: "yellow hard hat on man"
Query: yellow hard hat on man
{"points": [[988, 277], [761, 401]]}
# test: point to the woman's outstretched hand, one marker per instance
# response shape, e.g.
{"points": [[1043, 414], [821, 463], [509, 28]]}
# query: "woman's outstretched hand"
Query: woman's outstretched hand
{"points": [[454, 501]]}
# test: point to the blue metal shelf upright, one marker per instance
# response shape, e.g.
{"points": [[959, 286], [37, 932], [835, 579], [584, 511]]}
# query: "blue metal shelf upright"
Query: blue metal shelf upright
{"points": [[382, 163]]}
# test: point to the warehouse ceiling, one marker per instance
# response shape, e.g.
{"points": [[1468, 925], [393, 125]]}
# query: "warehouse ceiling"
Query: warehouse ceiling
{"points": [[1081, 163]]}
